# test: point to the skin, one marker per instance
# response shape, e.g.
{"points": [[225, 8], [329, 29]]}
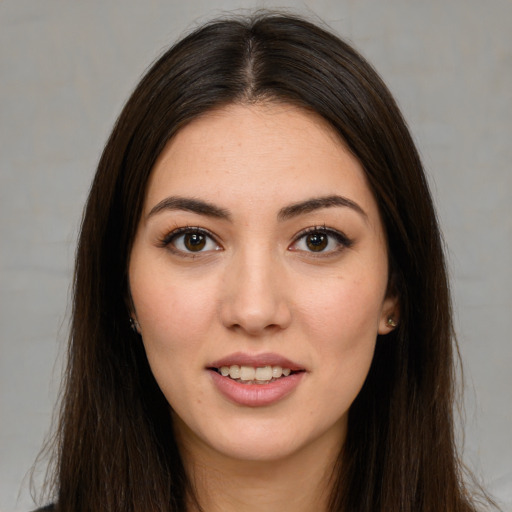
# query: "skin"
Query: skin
{"points": [[257, 287]]}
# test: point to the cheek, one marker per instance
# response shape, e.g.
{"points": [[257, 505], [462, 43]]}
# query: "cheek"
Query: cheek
{"points": [[175, 321], [173, 309], [341, 321], [175, 316], [342, 308]]}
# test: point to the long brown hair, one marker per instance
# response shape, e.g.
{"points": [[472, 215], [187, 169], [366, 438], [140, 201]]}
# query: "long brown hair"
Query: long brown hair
{"points": [[115, 450]]}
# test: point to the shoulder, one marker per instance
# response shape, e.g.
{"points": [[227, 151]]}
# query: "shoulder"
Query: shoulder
{"points": [[48, 508]]}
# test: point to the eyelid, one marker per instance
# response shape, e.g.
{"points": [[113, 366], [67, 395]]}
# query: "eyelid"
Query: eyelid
{"points": [[343, 240], [167, 240]]}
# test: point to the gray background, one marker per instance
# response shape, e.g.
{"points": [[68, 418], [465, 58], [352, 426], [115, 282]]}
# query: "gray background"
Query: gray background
{"points": [[66, 67]]}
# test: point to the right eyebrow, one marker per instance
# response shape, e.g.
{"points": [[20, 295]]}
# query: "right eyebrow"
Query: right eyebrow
{"points": [[191, 205], [317, 203]]}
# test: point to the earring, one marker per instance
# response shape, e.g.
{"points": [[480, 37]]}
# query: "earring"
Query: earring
{"points": [[391, 322], [134, 326]]}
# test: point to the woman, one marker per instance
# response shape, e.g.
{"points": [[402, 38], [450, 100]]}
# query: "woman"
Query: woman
{"points": [[261, 311]]}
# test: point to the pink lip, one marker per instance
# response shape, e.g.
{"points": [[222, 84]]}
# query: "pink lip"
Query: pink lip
{"points": [[256, 360], [256, 395]]}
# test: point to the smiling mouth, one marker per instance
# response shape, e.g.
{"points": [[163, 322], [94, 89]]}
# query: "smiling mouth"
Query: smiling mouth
{"points": [[254, 375]]}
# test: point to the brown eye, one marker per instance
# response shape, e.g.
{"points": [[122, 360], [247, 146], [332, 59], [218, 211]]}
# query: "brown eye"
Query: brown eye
{"points": [[191, 240], [194, 241], [321, 240], [317, 242]]}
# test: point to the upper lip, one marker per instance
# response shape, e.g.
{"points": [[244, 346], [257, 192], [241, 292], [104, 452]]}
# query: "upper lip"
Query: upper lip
{"points": [[256, 361]]}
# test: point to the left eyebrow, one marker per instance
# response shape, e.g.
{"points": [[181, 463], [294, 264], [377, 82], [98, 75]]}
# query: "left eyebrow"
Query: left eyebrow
{"points": [[317, 203], [190, 204]]}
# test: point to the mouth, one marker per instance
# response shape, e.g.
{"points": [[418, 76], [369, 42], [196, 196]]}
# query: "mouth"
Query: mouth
{"points": [[254, 374], [256, 380]]}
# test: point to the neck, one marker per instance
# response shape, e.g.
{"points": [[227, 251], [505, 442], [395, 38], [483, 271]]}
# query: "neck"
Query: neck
{"points": [[300, 482]]}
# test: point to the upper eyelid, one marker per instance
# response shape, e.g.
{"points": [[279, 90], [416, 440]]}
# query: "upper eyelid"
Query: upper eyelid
{"points": [[341, 238], [188, 229], [167, 239], [322, 229]]}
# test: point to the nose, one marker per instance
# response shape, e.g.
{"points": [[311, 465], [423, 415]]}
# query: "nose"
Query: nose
{"points": [[255, 296]]}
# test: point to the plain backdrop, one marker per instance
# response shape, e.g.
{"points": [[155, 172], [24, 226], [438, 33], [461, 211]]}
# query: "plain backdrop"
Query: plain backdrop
{"points": [[66, 68]]}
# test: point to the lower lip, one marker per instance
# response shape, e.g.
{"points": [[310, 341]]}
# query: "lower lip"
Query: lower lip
{"points": [[256, 395]]}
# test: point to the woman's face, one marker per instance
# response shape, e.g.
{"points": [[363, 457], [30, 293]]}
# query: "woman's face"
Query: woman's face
{"points": [[258, 276]]}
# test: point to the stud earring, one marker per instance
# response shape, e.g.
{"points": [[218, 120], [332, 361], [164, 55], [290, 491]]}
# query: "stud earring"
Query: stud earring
{"points": [[134, 326], [391, 322]]}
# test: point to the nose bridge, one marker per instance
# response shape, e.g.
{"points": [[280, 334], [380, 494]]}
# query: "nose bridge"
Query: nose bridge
{"points": [[255, 293]]}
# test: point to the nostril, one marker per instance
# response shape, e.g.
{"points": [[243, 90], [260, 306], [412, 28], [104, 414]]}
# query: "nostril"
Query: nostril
{"points": [[255, 329]]}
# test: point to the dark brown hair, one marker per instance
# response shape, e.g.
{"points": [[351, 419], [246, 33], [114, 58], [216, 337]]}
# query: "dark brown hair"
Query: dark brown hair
{"points": [[115, 451]]}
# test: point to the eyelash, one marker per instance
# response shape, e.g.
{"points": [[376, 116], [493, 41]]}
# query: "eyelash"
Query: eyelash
{"points": [[341, 239], [167, 240]]}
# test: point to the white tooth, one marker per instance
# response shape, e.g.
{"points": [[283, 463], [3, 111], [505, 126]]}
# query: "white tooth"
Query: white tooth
{"points": [[277, 371], [286, 372], [224, 371], [264, 373], [247, 373], [234, 371]]}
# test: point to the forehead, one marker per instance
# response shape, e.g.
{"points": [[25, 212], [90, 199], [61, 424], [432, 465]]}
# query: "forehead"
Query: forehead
{"points": [[267, 154]]}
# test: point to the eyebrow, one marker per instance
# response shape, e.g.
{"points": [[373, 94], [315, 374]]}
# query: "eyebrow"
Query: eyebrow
{"points": [[317, 203], [191, 205], [294, 210]]}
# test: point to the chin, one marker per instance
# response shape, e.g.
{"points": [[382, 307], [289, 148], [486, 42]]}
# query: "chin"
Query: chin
{"points": [[253, 440], [264, 448]]}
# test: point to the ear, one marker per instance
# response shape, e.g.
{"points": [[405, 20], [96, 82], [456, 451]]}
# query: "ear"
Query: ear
{"points": [[390, 315]]}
